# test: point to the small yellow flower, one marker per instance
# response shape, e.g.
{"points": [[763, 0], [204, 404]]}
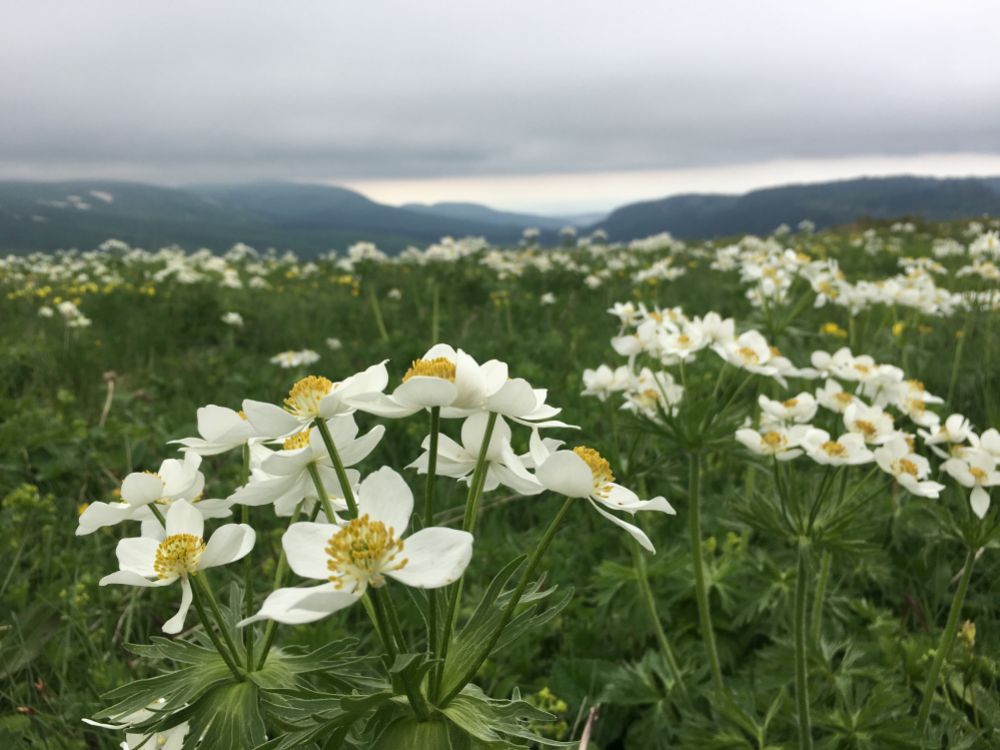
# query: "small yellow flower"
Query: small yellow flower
{"points": [[832, 329], [968, 633], [898, 328]]}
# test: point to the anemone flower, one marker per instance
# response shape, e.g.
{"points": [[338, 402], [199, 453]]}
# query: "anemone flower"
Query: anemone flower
{"points": [[313, 397], [176, 553], [363, 552], [175, 480], [584, 473]]}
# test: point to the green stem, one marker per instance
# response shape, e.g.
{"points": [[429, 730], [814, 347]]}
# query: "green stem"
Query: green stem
{"points": [[661, 637], [206, 591], [338, 466], [816, 623], [947, 638], [468, 524], [377, 313], [956, 362], [203, 616], [698, 562], [279, 578], [801, 668], [247, 570], [478, 478], [324, 497], [522, 584], [388, 623], [432, 599]]}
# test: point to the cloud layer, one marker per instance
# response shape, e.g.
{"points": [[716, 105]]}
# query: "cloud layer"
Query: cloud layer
{"points": [[336, 90]]}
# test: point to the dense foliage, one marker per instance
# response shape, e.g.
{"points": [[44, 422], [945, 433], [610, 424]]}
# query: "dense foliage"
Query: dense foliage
{"points": [[107, 355]]}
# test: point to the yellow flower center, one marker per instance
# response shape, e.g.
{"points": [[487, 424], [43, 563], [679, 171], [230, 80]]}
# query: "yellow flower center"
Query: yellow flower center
{"points": [[361, 552], [599, 467], [439, 367], [863, 369], [791, 403], [917, 406], [298, 440], [243, 415], [178, 555], [906, 466], [303, 400], [748, 355], [916, 385], [773, 439], [863, 425], [833, 448], [977, 473], [844, 397], [683, 339]]}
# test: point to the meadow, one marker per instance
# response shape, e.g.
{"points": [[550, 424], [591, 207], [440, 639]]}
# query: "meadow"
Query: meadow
{"points": [[802, 426]]}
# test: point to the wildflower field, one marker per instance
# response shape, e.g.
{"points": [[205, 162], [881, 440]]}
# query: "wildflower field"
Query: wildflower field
{"points": [[654, 495]]}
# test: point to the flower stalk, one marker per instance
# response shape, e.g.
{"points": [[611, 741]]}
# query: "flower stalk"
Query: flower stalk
{"points": [[698, 563], [338, 467], [801, 667], [946, 640]]}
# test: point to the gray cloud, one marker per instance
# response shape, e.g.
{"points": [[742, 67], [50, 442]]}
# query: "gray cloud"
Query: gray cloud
{"points": [[185, 91]]}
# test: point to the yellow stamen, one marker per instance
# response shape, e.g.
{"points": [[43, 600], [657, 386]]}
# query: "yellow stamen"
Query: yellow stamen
{"points": [[178, 555], [361, 552], [977, 473], [439, 367], [907, 466], [863, 425], [791, 403], [773, 439], [748, 354], [599, 468], [298, 440], [304, 398], [844, 397], [833, 448]]}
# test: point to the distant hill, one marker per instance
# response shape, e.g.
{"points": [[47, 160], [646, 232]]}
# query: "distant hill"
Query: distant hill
{"points": [[315, 218], [306, 218], [487, 215], [826, 204]]}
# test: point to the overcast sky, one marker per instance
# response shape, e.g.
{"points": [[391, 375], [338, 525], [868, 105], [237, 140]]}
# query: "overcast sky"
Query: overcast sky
{"points": [[530, 104]]}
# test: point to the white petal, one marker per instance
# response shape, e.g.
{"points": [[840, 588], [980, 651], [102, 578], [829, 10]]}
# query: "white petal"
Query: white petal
{"points": [[270, 421], [358, 450], [137, 555], [382, 405], [176, 623], [184, 518], [305, 548], [384, 496], [131, 578], [423, 391], [634, 531], [99, 514], [980, 501], [566, 473], [435, 557], [141, 489], [298, 606], [515, 398], [228, 544]]}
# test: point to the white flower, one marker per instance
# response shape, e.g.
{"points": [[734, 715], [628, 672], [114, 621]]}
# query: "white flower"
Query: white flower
{"points": [[976, 469], [175, 480], [221, 430], [909, 469], [311, 397], [779, 442], [233, 319], [584, 473], [604, 381], [176, 553], [832, 396], [871, 422], [547, 299], [458, 461], [334, 344], [291, 359], [716, 329], [955, 430], [750, 352], [364, 551], [847, 450], [45, 311], [796, 410], [283, 477]]}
